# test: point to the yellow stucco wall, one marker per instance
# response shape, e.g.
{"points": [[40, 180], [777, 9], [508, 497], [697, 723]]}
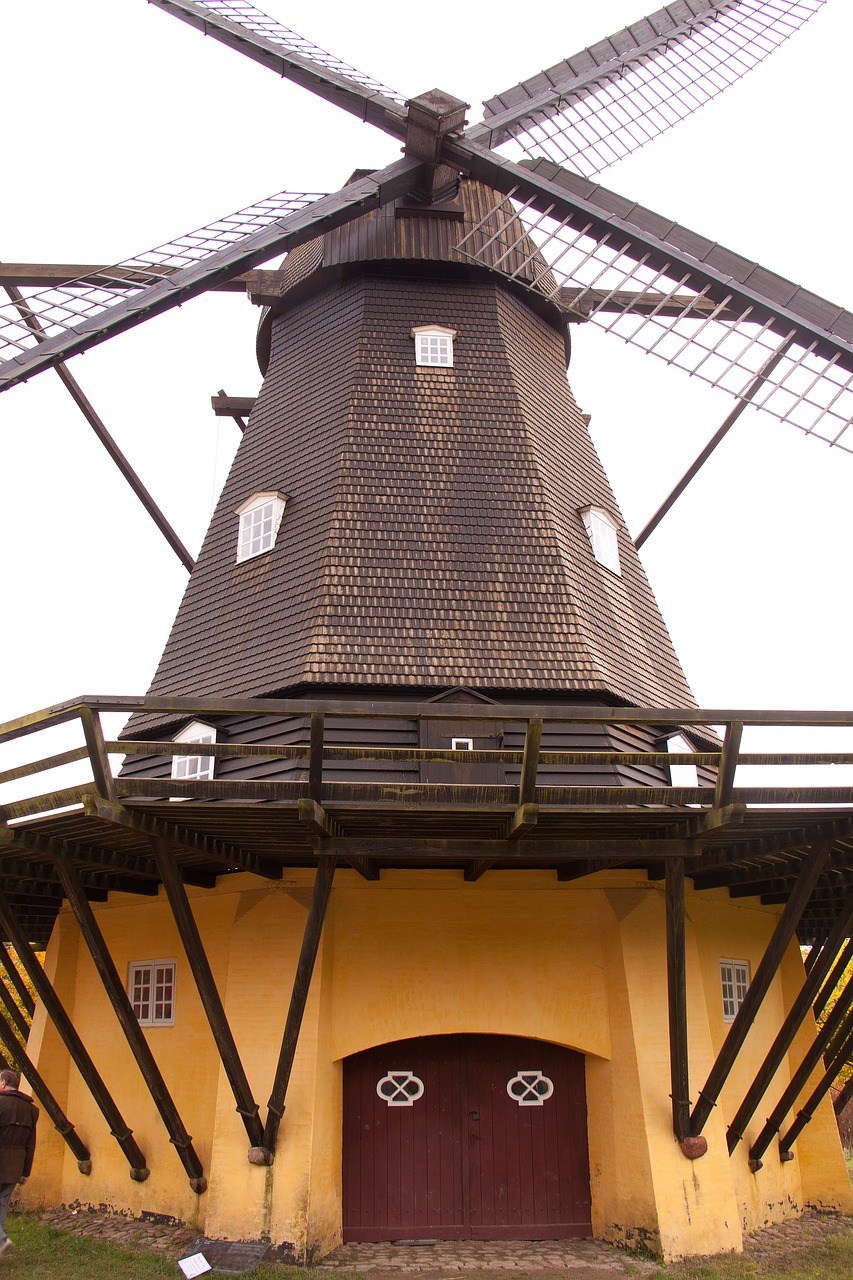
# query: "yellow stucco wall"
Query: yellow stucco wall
{"points": [[423, 953]]}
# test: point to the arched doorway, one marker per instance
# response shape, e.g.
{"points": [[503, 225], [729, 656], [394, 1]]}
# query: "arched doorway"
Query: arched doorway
{"points": [[465, 1137]]}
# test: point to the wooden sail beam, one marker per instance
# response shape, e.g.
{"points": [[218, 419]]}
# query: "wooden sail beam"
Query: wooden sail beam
{"points": [[44, 274], [117, 995], [298, 999], [205, 983], [74, 1045], [758, 988], [95, 421]]}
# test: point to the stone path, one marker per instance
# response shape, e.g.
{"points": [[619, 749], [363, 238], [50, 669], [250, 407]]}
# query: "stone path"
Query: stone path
{"points": [[462, 1259], [582, 1259]]}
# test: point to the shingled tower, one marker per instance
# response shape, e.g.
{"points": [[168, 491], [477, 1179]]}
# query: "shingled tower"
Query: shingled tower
{"points": [[436, 526]]}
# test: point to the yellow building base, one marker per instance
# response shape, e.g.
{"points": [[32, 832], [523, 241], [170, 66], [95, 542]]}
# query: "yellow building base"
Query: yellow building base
{"points": [[580, 964]]}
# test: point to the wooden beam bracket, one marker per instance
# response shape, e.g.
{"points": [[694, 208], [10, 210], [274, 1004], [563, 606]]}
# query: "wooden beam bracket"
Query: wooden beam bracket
{"points": [[299, 998], [758, 988], [117, 995], [70, 1038], [205, 983]]}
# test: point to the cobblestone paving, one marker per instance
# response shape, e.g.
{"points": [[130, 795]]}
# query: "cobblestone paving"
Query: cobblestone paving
{"points": [[582, 1258], [577, 1259]]}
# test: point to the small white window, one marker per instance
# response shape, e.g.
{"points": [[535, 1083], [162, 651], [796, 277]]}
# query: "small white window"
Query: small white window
{"points": [[194, 768], [734, 976], [151, 988], [461, 744], [682, 775], [434, 345], [260, 517], [602, 529]]}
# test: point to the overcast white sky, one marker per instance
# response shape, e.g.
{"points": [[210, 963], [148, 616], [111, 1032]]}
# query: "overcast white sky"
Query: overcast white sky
{"points": [[124, 127]]}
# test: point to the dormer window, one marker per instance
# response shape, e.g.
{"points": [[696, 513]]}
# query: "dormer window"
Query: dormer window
{"points": [[682, 775], [260, 517], [434, 345], [602, 530], [194, 768]]}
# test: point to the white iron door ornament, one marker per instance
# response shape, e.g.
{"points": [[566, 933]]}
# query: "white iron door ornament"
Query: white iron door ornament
{"points": [[400, 1088], [530, 1088]]}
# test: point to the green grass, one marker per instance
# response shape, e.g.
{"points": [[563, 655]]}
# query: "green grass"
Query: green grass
{"points": [[819, 1260], [40, 1252]]}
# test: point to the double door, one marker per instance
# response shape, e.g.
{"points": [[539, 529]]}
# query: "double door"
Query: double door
{"points": [[465, 1137]]}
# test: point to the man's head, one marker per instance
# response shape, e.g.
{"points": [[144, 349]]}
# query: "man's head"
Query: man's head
{"points": [[9, 1079]]}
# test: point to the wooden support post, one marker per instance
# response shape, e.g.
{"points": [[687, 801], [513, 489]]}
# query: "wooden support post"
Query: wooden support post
{"points": [[114, 988], [835, 977], [17, 981], [530, 762], [844, 1097], [14, 1012], [76, 1049], [728, 765], [794, 1020], [838, 1059], [98, 757], [837, 1022], [677, 997], [299, 996], [783, 933], [247, 1108], [62, 1124], [315, 758]]}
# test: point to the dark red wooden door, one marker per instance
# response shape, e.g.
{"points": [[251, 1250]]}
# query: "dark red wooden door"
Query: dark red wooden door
{"points": [[465, 1137]]}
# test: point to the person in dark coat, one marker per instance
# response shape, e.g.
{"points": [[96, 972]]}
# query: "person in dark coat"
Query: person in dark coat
{"points": [[18, 1118]]}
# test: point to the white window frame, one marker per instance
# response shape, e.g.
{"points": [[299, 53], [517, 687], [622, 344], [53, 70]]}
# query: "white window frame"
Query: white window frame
{"points": [[603, 534], [461, 744], [734, 981], [159, 973], [434, 345], [194, 768], [260, 520], [682, 775]]}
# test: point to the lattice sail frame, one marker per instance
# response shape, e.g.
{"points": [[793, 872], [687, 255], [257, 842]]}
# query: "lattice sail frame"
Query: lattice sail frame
{"points": [[720, 341], [61, 308], [643, 95], [253, 19]]}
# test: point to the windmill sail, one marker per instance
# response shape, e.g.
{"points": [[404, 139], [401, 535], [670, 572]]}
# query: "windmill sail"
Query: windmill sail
{"points": [[82, 313], [609, 100], [673, 293]]}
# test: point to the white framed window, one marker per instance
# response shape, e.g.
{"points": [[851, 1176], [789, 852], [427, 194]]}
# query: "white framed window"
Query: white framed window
{"points": [[682, 775], [461, 744], [434, 345], [260, 517], [194, 768], [602, 530], [151, 989], [734, 977]]}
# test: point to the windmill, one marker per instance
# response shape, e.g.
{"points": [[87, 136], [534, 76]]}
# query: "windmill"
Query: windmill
{"points": [[699, 307]]}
